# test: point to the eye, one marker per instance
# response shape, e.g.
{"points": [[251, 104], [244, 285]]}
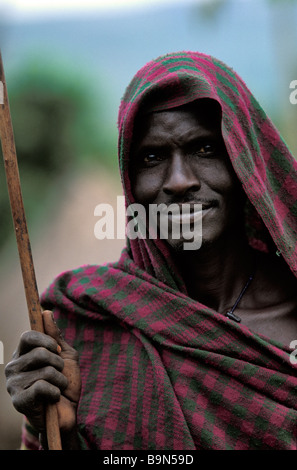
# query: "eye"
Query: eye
{"points": [[151, 158], [207, 149]]}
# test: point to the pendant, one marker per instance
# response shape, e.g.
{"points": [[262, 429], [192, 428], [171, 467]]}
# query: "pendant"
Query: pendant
{"points": [[232, 316]]}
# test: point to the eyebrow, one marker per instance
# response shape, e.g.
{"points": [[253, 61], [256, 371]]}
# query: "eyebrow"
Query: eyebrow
{"points": [[195, 139]]}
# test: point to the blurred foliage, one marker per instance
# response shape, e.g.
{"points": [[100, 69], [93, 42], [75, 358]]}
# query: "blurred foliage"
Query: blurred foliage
{"points": [[211, 9], [58, 126]]}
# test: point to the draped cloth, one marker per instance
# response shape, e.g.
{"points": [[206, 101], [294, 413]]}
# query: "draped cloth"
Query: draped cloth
{"points": [[159, 369]]}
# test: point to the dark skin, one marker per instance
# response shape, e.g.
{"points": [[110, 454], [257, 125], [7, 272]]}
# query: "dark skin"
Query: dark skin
{"points": [[45, 369], [178, 157]]}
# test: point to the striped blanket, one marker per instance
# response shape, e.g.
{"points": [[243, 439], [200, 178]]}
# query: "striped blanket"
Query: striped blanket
{"points": [[159, 369]]}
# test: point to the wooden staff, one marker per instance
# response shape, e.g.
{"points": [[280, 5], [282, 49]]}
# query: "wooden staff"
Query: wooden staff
{"points": [[23, 242]]}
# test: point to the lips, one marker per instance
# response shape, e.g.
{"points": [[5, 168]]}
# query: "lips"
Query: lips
{"points": [[186, 212], [189, 217]]}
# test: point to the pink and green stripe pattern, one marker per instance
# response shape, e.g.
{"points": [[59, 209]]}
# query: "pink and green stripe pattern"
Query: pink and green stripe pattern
{"points": [[161, 371]]}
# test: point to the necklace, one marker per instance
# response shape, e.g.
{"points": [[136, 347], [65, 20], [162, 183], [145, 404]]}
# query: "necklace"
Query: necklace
{"points": [[230, 314]]}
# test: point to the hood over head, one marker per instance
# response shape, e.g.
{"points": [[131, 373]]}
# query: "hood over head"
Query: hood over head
{"points": [[261, 160]]}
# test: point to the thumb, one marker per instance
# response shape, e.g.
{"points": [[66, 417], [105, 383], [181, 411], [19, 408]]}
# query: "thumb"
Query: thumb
{"points": [[68, 354], [51, 329]]}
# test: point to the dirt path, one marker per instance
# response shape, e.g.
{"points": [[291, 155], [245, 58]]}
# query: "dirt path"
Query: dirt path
{"points": [[66, 241]]}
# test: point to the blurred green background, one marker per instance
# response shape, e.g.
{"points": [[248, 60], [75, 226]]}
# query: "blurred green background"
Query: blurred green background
{"points": [[58, 127], [66, 72]]}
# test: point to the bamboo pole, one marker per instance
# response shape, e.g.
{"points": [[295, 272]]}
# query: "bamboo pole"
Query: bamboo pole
{"points": [[23, 242]]}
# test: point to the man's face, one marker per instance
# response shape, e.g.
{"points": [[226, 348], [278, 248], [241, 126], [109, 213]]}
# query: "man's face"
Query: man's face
{"points": [[179, 157]]}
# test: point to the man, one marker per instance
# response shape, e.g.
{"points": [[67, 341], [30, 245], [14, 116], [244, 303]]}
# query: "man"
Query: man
{"points": [[171, 348]]}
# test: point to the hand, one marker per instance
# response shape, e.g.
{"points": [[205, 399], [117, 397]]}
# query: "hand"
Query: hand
{"points": [[44, 370]]}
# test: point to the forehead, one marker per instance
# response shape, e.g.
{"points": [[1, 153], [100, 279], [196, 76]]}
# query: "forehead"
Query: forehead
{"points": [[188, 121]]}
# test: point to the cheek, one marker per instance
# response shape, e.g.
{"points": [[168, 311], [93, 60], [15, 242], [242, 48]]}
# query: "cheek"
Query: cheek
{"points": [[232, 196], [222, 179], [146, 187]]}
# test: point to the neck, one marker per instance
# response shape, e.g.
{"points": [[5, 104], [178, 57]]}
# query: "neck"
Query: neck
{"points": [[216, 274]]}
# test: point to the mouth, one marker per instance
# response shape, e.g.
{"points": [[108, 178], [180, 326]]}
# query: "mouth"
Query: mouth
{"points": [[187, 212]]}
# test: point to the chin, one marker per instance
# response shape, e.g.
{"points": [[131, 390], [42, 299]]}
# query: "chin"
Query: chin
{"points": [[178, 246]]}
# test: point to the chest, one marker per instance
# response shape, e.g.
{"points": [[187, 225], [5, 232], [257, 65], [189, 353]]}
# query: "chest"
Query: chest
{"points": [[277, 322]]}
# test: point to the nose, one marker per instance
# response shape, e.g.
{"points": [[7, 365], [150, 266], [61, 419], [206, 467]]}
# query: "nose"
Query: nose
{"points": [[180, 177]]}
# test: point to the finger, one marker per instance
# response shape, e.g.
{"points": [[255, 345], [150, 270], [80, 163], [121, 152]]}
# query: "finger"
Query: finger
{"points": [[51, 328], [23, 381], [34, 359], [33, 339], [41, 392]]}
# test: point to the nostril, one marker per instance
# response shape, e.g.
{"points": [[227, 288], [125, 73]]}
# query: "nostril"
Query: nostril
{"points": [[181, 187], [195, 187]]}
